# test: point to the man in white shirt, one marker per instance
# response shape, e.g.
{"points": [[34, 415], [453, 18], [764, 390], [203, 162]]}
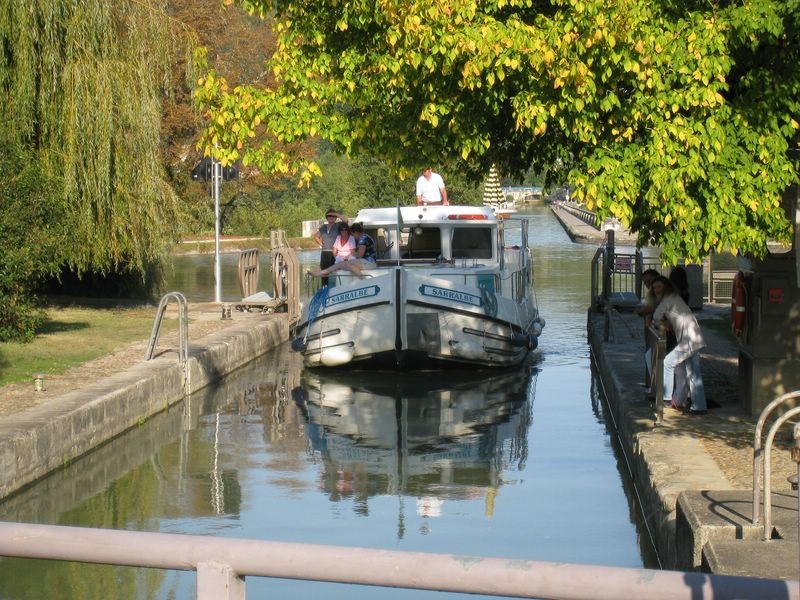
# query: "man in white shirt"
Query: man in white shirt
{"points": [[430, 188]]}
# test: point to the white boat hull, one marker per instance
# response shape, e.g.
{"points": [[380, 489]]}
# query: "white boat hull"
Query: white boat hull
{"points": [[426, 321]]}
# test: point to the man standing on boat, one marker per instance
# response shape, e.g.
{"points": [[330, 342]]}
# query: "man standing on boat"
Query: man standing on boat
{"points": [[326, 237], [430, 188]]}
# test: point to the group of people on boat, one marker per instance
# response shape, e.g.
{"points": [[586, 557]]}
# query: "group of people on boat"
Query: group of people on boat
{"points": [[667, 304], [344, 246]]}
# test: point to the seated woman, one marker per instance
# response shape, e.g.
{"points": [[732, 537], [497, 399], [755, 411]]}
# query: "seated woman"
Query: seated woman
{"points": [[364, 257], [344, 248]]}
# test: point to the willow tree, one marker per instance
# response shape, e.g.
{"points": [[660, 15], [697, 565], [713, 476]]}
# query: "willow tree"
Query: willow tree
{"points": [[674, 117], [81, 83]]}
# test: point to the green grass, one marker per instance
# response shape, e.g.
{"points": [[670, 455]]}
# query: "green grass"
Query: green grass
{"points": [[74, 335]]}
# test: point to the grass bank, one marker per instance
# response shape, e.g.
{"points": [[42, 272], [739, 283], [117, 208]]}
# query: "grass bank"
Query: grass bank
{"points": [[73, 335]]}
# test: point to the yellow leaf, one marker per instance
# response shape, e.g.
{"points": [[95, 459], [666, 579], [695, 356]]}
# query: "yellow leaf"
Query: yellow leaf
{"points": [[667, 219]]}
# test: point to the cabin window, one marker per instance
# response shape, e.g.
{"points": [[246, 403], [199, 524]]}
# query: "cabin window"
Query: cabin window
{"points": [[472, 242], [423, 242]]}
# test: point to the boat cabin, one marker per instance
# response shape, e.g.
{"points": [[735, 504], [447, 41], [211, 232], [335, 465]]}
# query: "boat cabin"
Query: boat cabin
{"points": [[428, 235]]}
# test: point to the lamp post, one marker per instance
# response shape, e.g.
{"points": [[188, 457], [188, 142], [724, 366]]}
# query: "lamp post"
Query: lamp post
{"points": [[210, 168], [216, 180]]}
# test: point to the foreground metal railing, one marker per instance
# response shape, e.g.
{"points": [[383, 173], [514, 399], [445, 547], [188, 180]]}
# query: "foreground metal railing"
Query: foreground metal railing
{"points": [[222, 564]]}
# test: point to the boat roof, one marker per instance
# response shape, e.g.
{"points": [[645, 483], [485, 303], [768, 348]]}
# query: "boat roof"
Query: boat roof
{"points": [[438, 214]]}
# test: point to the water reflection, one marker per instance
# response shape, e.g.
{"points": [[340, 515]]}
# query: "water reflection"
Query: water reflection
{"points": [[433, 437]]}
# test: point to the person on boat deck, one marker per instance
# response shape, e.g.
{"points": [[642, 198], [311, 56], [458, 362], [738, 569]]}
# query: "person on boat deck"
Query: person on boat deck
{"points": [[430, 188], [326, 237], [344, 248], [364, 257], [677, 314]]}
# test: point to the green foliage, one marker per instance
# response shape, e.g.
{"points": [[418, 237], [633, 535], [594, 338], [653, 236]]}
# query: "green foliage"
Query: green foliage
{"points": [[81, 83], [346, 185], [35, 232], [674, 117]]}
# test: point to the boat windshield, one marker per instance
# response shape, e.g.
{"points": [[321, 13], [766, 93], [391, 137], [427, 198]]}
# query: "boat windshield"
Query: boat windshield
{"points": [[472, 242]]}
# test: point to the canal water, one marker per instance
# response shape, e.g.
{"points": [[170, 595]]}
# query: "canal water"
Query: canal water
{"points": [[518, 464]]}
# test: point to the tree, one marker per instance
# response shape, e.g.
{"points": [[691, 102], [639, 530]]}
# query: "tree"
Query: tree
{"points": [[81, 85], [675, 117]]}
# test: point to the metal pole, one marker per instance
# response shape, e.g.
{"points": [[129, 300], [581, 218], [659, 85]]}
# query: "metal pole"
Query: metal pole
{"points": [[216, 177]]}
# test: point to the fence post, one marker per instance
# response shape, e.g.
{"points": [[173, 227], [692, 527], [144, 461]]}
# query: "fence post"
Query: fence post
{"points": [[216, 581], [608, 264]]}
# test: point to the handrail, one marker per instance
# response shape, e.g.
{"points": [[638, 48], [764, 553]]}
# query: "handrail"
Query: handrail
{"points": [[759, 455], [222, 564], [767, 535], [600, 253], [584, 215], [183, 326], [656, 339]]}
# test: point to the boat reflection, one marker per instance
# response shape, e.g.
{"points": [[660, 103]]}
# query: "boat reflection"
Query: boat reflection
{"points": [[433, 436]]}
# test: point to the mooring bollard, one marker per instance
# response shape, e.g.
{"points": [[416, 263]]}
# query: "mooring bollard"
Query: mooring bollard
{"points": [[38, 382]]}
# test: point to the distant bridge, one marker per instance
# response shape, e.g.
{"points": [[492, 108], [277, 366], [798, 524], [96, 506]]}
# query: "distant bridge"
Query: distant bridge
{"points": [[522, 195]]}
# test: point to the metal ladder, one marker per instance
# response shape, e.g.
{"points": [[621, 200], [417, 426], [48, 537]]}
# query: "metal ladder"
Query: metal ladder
{"points": [[183, 327]]}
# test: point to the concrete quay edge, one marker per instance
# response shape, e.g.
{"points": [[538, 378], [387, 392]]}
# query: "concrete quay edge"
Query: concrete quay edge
{"points": [[583, 233], [696, 518], [40, 440]]}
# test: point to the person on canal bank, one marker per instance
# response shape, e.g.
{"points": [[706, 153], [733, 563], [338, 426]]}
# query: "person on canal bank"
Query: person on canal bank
{"points": [[326, 237], [646, 311], [675, 313], [364, 257], [680, 281], [649, 302], [431, 189]]}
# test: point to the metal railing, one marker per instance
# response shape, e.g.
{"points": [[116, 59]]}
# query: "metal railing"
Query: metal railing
{"points": [[583, 214], [223, 563], [183, 332], [615, 274], [762, 458], [656, 343], [183, 326]]}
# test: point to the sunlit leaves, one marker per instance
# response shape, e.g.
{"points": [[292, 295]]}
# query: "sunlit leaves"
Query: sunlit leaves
{"points": [[675, 119]]}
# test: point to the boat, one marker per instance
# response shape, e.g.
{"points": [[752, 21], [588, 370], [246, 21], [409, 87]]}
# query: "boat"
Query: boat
{"points": [[452, 285]]}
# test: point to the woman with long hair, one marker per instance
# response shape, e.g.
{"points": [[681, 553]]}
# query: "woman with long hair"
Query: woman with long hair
{"points": [[677, 314]]}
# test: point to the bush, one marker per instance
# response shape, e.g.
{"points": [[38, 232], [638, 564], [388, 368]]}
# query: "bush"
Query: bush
{"points": [[34, 229]]}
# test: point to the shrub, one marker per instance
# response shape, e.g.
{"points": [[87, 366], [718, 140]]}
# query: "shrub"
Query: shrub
{"points": [[34, 229]]}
